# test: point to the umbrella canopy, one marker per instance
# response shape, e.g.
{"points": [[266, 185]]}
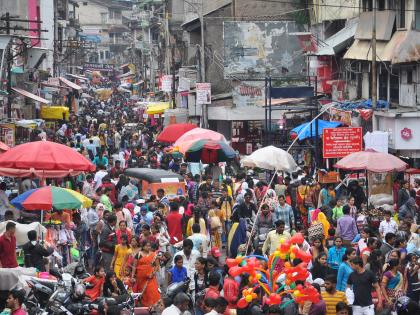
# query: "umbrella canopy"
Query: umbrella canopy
{"points": [[322, 124], [43, 159], [372, 161], [187, 139], [49, 197], [4, 147], [172, 132], [209, 151], [271, 158]]}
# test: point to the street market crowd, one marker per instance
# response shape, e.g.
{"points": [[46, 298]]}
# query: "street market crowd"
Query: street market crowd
{"points": [[364, 261]]}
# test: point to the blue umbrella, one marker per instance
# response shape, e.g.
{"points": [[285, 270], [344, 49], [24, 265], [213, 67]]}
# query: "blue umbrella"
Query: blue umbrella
{"points": [[307, 132]]}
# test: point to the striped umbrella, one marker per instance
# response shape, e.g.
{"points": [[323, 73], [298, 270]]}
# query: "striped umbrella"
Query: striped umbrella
{"points": [[209, 151]]}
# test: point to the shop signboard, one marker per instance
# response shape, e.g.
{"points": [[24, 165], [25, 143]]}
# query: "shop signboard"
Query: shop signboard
{"points": [[248, 93], [339, 142], [203, 93], [98, 67], [166, 83]]}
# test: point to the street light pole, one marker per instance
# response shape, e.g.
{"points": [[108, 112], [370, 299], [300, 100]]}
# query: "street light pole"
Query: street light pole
{"points": [[374, 75]]}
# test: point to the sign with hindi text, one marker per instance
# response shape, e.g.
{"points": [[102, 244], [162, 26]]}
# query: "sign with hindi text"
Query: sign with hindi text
{"points": [[339, 142]]}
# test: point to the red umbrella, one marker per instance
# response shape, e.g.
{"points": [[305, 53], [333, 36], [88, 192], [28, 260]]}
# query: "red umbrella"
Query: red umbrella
{"points": [[44, 159], [172, 132], [3, 147], [372, 161]]}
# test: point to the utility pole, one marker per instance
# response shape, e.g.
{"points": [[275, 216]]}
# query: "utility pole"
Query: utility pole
{"points": [[374, 80], [173, 76], [9, 71]]}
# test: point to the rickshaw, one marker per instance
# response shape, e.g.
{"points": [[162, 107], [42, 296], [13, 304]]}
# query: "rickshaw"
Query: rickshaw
{"points": [[153, 179]]}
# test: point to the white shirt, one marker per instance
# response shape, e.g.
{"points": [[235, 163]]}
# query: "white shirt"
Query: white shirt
{"points": [[388, 227], [212, 312], [98, 178], [128, 218], [171, 310], [189, 264]]}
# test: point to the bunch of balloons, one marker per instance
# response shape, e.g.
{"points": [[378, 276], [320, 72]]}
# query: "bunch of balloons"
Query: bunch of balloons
{"points": [[275, 275]]}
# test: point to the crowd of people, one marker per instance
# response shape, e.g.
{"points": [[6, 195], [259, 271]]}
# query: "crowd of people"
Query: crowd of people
{"points": [[136, 244]]}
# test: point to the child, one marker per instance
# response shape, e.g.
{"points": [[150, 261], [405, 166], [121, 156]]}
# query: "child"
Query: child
{"points": [[215, 225], [330, 239], [97, 281], [338, 211], [178, 273], [127, 278]]}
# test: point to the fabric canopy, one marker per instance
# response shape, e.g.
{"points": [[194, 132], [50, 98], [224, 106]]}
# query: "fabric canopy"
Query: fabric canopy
{"points": [[271, 158], [372, 161], [173, 132], [305, 131], [157, 107], [41, 158]]}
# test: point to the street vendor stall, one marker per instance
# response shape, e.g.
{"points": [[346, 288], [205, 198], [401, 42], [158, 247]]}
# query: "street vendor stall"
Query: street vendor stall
{"points": [[154, 179], [378, 167]]}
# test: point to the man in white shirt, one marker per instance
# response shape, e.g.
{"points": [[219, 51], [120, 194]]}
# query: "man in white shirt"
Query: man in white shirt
{"points": [[199, 240], [99, 176], [388, 225], [180, 305], [189, 256]]}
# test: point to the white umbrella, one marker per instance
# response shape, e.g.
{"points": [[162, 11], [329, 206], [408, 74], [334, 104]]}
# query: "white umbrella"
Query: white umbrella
{"points": [[271, 158]]}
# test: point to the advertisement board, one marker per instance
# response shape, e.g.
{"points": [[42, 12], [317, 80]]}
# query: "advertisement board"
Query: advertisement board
{"points": [[167, 83], [203, 93], [339, 142]]}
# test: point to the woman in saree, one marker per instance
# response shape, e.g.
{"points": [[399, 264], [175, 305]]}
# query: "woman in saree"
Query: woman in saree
{"points": [[146, 264], [392, 282]]}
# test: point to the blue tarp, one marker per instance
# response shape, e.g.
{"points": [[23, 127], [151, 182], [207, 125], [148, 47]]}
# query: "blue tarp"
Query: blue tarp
{"points": [[307, 132], [90, 38], [363, 104]]}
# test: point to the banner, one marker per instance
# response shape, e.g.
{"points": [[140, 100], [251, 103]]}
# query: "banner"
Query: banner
{"points": [[98, 67], [203, 93], [342, 116], [167, 83], [339, 142]]}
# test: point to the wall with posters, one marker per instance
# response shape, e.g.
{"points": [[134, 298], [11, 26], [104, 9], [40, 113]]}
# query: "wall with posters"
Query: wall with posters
{"points": [[246, 135], [248, 93], [261, 47]]}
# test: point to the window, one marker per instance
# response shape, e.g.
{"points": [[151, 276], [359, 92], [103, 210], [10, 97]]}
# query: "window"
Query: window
{"points": [[115, 14], [101, 53], [381, 5], [383, 83], [104, 18], [367, 5], [107, 54], [409, 76], [417, 15], [401, 14], [394, 87]]}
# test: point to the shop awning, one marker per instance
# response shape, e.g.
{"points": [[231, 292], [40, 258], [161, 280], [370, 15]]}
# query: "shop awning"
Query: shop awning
{"points": [[77, 77], [362, 50], [70, 84], [157, 107], [404, 47], [339, 41], [31, 96], [384, 25], [126, 75]]}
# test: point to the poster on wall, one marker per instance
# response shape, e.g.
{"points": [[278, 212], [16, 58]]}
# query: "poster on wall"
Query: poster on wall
{"points": [[248, 93], [339, 142], [166, 83], [342, 116], [203, 93]]}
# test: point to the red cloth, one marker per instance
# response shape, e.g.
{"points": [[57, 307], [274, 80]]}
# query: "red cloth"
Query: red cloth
{"points": [[231, 292], [212, 293], [8, 252], [174, 222], [119, 233], [97, 283]]}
